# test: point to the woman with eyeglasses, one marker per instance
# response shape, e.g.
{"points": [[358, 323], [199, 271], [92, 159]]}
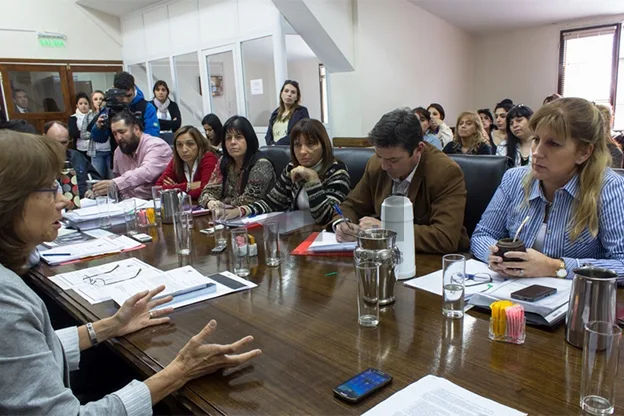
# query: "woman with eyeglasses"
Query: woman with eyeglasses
{"points": [[499, 136], [569, 199], [35, 360], [519, 137], [284, 118], [244, 174]]}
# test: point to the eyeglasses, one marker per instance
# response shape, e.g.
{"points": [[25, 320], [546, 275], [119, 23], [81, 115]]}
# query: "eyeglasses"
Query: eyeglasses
{"points": [[55, 189], [479, 279], [95, 280]]}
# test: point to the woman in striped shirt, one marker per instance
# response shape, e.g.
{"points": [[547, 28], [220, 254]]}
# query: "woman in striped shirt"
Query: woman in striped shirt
{"points": [[314, 180], [572, 199]]}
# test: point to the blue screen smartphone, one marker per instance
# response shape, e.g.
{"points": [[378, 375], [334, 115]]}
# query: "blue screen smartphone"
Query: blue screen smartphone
{"points": [[362, 385]]}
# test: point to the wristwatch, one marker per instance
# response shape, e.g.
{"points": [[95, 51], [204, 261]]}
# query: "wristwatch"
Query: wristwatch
{"points": [[561, 272]]}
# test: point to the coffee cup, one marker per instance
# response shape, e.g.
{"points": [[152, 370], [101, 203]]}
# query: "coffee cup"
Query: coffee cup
{"points": [[506, 245]]}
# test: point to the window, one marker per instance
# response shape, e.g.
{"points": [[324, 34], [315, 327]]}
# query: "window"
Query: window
{"points": [[323, 86], [259, 73], [36, 91], [589, 63], [188, 89]]}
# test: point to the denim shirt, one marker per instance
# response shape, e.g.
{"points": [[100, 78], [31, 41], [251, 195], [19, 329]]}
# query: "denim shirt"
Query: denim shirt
{"points": [[507, 210]]}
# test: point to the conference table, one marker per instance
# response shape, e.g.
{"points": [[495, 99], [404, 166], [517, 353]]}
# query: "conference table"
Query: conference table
{"points": [[303, 315]]}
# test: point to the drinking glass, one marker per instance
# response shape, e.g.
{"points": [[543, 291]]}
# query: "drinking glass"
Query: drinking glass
{"points": [[186, 205], [156, 196], [103, 211], [218, 218], [146, 216], [601, 354], [182, 233], [453, 285], [240, 251], [367, 275], [129, 209], [271, 243], [113, 195]]}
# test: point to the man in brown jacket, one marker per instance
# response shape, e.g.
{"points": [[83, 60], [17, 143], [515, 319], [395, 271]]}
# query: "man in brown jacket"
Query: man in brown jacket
{"points": [[404, 164]]}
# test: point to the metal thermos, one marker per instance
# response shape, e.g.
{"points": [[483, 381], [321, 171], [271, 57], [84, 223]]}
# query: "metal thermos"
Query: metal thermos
{"points": [[379, 245], [592, 298], [170, 204]]}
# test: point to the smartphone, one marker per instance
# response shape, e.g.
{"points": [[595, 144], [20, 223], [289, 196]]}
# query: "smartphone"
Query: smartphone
{"points": [[141, 237], [533, 293], [362, 385]]}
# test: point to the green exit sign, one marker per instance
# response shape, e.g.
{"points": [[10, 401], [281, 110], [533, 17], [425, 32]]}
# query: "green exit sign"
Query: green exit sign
{"points": [[51, 43]]}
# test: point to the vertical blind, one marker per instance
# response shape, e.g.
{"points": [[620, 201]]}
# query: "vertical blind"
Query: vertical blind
{"points": [[589, 62]]}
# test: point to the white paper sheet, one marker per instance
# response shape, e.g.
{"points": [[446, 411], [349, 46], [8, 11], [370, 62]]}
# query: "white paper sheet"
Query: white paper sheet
{"points": [[239, 222], [326, 242], [62, 254], [433, 395], [123, 268]]}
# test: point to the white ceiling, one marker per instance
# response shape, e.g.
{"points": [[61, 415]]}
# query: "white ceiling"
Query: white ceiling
{"points": [[117, 7], [487, 16]]}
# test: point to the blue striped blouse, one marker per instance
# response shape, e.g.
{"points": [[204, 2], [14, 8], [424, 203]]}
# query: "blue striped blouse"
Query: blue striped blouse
{"points": [[506, 211]]}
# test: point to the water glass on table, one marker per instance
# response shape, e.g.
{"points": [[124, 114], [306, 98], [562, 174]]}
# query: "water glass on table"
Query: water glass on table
{"points": [[367, 276], [146, 216], [601, 354], [182, 232], [453, 285], [113, 194], [218, 218], [103, 211], [240, 251], [186, 205], [156, 196], [129, 209], [271, 243]]}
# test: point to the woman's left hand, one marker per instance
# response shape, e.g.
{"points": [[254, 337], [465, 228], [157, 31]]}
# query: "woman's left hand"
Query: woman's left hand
{"points": [[136, 313], [535, 264], [301, 172]]}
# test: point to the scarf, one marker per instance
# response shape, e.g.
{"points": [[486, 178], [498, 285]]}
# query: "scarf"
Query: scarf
{"points": [[82, 122], [163, 109]]}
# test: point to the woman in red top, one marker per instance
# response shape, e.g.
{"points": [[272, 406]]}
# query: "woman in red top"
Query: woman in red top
{"points": [[192, 163]]}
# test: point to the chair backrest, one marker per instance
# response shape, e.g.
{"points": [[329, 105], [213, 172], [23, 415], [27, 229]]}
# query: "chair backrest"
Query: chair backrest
{"points": [[279, 155], [619, 171], [168, 137], [355, 159], [482, 175]]}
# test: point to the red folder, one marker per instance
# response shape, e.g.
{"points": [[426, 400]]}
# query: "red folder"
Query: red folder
{"points": [[302, 249]]}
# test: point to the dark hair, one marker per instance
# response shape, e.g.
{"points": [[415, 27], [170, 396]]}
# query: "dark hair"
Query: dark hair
{"points": [[486, 112], [202, 148], [512, 141], [19, 125], [423, 112], [128, 118], [506, 105], [282, 106], [47, 126], [234, 125], [439, 108], [213, 121], [83, 95], [551, 98], [123, 80], [399, 127], [15, 91], [314, 131], [161, 83]]}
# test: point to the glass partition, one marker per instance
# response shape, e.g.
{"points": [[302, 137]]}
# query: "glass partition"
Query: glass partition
{"points": [[88, 82], [222, 84], [259, 76], [139, 72], [161, 71], [36, 91], [188, 89]]}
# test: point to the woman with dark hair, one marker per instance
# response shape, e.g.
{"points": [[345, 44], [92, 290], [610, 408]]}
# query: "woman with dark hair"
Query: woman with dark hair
{"points": [[214, 130], [168, 112], [488, 122], [469, 139], [499, 136], [519, 137], [244, 174], [437, 124], [289, 112], [36, 360], [78, 126], [192, 164], [425, 122], [314, 180]]}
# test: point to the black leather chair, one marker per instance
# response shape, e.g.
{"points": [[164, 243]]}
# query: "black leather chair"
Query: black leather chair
{"points": [[482, 175], [355, 159], [168, 137], [279, 155]]}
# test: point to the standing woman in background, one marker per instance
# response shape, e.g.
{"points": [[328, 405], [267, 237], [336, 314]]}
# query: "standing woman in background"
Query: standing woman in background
{"points": [[284, 118], [519, 137], [97, 97], [499, 136], [437, 124], [78, 126], [168, 112], [101, 160], [214, 131]]}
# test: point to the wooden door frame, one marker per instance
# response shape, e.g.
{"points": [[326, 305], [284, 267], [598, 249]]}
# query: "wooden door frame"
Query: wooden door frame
{"points": [[71, 69]]}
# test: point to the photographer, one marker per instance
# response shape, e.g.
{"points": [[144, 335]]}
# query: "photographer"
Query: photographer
{"points": [[116, 102]]}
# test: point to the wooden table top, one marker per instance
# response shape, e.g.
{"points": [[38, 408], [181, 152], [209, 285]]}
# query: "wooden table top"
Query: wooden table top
{"points": [[306, 324]]}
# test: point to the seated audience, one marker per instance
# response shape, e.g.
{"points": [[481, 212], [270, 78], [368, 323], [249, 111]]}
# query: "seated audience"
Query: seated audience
{"points": [[499, 136], [551, 98], [612, 145], [192, 164], [425, 122], [79, 125], [139, 159], [214, 131], [244, 174], [313, 181], [437, 124], [403, 164], [469, 136], [168, 112], [289, 112], [573, 202], [36, 360], [519, 137], [20, 98], [59, 131], [488, 123]]}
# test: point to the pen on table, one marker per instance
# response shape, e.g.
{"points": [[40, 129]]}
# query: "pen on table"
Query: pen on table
{"points": [[56, 254]]}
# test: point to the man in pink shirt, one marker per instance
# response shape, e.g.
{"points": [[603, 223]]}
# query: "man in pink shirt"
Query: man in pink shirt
{"points": [[138, 162]]}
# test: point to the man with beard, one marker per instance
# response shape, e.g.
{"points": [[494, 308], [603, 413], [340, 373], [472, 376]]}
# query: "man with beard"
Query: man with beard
{"points": [[139, 159]]}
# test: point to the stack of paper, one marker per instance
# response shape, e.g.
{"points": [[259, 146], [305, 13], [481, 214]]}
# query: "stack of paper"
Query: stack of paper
{"points": [[89, 218], [326, 242], [241, 222]]}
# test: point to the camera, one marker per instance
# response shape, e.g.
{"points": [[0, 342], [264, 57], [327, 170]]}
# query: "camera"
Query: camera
{"points": [[113, 105]]}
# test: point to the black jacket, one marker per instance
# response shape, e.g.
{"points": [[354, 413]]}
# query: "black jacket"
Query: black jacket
{"points": [[453, 148], [299, 114], [173, 125]]}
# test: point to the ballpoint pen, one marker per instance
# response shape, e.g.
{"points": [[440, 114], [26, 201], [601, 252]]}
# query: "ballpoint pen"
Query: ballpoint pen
{"points": [[55, 254], [339, 212]]}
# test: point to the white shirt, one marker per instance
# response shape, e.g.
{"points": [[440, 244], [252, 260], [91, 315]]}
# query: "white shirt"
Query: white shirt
{"points": [[190, 175], [20, 109]]}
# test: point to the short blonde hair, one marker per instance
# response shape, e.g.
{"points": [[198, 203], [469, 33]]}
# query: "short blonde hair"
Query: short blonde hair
{"points": [[477, 138]]}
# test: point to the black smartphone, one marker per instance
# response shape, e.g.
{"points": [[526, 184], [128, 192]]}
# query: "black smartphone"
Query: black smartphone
{"points": [[362, 385], [533, 293]]}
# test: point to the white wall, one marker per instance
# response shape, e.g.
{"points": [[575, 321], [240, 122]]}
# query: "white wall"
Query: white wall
{"points": [[336, 16], [306, 72], [90, 34], [392, 69], [522, 65]]}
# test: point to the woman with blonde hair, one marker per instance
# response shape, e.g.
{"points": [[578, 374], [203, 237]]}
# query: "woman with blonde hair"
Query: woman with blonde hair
{"points": [[612, 145], [572, 199], [469, 136]]}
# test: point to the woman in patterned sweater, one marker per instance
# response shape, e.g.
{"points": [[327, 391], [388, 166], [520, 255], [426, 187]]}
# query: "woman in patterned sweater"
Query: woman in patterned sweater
{"points": [[314, 180], [244, 174]]}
